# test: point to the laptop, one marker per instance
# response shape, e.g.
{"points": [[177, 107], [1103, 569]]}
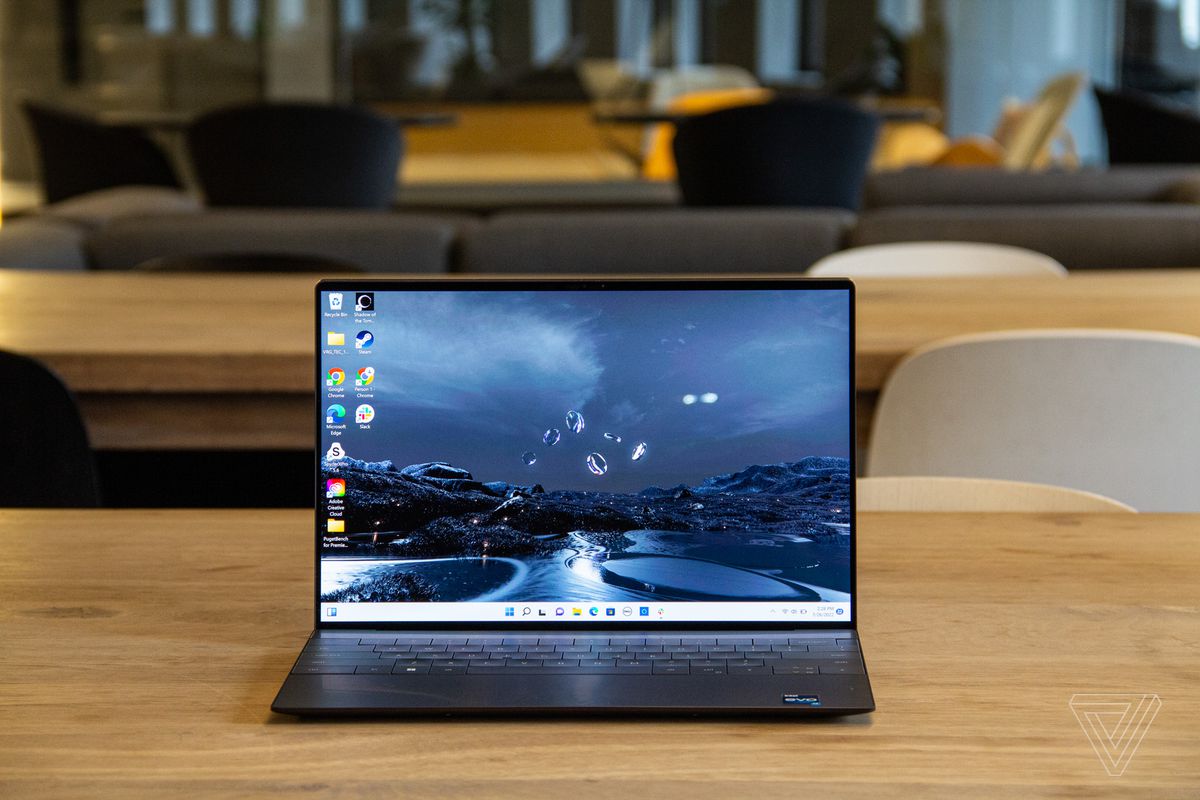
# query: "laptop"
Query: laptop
{"points": [[583, 496]]}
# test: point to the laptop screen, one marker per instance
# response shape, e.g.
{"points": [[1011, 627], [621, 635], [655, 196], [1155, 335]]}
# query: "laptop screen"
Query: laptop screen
{"points": [[585, 452]]}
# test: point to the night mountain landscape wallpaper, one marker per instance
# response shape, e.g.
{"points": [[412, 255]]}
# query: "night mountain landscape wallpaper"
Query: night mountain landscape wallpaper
{"points": [[592, 446]]}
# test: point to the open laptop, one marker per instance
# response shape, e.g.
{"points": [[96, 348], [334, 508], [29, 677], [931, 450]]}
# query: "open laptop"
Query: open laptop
{"points": [[583, 496]]}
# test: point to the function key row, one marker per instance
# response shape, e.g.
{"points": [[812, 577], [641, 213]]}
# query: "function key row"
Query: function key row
{"points": [[583, 640]]}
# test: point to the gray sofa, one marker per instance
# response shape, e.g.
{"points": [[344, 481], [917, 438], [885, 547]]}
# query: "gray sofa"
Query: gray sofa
{"points": [[655, 242], [1128, 218]]}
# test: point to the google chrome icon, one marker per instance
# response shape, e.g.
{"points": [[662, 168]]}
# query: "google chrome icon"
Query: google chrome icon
{"points": [[336, 377], [335, 414]]}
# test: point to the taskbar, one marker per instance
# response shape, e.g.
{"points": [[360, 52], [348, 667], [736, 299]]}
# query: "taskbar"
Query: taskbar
{"points": [[587, 611]]}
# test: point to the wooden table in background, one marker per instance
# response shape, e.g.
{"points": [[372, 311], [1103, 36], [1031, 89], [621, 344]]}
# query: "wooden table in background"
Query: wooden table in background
{"points": [[225, 362], [141, 651]]}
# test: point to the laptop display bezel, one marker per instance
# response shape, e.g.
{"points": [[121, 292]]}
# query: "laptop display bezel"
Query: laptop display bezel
{"points": [[533, 284]]}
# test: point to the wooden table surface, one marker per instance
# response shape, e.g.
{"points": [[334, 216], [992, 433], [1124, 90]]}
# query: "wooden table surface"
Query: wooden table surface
{"points": [[141, 650], [200, 361]]}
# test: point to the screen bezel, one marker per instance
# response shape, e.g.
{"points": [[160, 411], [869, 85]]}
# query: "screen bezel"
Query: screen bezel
{"points": [[533, 284]]}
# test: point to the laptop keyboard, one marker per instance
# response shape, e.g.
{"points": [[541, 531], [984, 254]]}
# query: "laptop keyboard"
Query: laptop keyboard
{"points": [[782, 654]]}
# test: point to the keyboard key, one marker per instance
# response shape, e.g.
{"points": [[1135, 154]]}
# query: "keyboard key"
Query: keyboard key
{"points": [[633, 667], [706, 662], [744, 662], [393, 648], [374, 669], [485, 640], [848, 644], [645, 648], [790, 648], [627, 640], [712, 670], [609, 648], [811, 641], [841, 669], [441, 669], [323, 669], [560, 663], [732, 670], [697, 640], [661, 669], [734, 640], [507, 648], [799, 669], [373, 640], [416, 669], [429, 648], [520, 663], [663, 640], [520, 640], [491, 663], [454, 662], [449, 640], [431, 656], [666, 663], [465, 648], [556, 640], [591, 640], [537, 648], [770, 641], [756, 652], [597, 662], [573, 648]]}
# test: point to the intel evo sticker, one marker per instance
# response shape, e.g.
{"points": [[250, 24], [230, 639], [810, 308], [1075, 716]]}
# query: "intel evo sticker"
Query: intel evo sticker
{"points": [[801, 700]]}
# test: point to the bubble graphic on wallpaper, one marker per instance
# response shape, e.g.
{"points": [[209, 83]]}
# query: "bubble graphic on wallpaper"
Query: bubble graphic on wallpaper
{"points": [[709, 397], [613, 436], [639, 450], [689, 399], [575, 421], [529, 458], [551, 437], [597, 464]]}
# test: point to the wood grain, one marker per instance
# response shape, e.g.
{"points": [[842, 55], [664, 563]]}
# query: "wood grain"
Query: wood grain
{"points": [[141, 651], [175, 338]]}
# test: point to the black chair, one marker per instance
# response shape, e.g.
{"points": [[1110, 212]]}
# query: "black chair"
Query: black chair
{"points": [[296, 156], [1144, 130], [47, 459], [784, 153], [76, 154], [249, 262]]}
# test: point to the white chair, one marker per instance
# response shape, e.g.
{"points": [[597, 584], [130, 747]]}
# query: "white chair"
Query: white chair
{"points": [[936, 260], [977, 494], [1106, 411]]}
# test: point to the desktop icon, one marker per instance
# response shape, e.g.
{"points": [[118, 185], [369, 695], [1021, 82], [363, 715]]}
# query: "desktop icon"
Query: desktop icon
{"points": [[363, 340], [335, 525], [610, 612], [335, 452], [594, 611], [526, 611], [364, 414], [335, 414], [627, 611], [335, 301], [575, 611], [331, 612], [509, 611], [541, 612], [558, 612], [364, 301], [644, 611], [366, 376], [334, 339], [335, 487], [336, 377]]}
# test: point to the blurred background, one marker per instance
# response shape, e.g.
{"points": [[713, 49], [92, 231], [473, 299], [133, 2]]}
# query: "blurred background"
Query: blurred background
{"points": [[523, 77]]}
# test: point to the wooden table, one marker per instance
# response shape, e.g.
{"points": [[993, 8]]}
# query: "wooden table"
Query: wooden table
{"points": [[141, 651], [200, 361]]}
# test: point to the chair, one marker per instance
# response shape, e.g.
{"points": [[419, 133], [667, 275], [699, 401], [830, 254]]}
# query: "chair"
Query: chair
{"points": [[296, 156], [249, 262], [784, 153], [937, 260], [77, 155], [911, 493], [659, 162], [48, 462], [1027, 132], [1141, 130], [1105, 411]]}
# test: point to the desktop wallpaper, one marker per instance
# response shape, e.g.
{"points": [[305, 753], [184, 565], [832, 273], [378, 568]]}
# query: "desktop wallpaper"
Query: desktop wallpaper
{"points": [[587, 445]]}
